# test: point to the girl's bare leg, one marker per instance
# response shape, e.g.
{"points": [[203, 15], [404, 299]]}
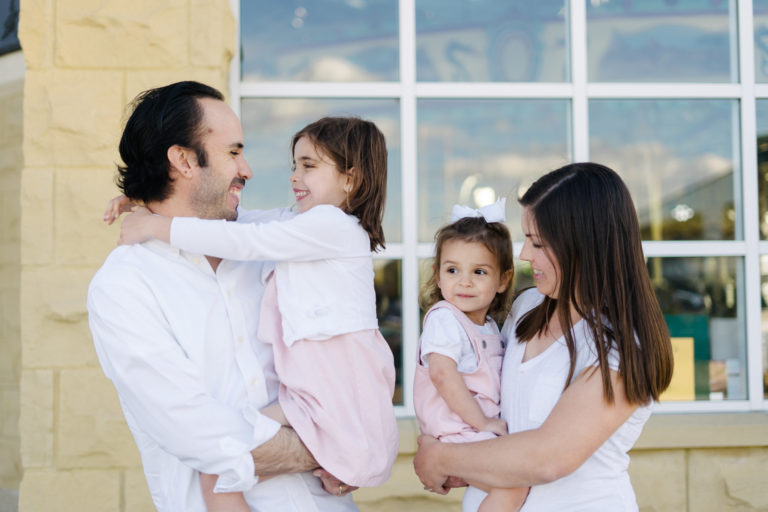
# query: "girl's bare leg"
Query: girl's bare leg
{"points": [[276, 413], [503, 500], [221, 501]]}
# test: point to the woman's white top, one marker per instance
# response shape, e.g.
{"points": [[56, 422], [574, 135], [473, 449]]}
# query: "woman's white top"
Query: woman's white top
{"points": [[443, 334], [324, 268], [529, 391]]}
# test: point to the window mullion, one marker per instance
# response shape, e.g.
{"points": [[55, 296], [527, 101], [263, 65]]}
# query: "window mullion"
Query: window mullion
{"points": [[750, 205], [408, 134]]}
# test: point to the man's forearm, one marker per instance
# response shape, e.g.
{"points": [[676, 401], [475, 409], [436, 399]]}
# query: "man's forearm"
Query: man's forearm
{"points": [[284, 453]]}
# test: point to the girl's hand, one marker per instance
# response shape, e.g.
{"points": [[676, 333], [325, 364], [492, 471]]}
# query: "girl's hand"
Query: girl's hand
{"points": [[141, 225], [497, 426], [115, 207], [427, 467]]}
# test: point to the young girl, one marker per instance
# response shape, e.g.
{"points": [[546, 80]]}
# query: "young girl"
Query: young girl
{"points": [[456, 387], [336, 371], [588, 352]]}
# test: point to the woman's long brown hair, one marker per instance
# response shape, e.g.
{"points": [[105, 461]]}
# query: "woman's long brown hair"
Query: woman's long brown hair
{"points": [[584, 214]]}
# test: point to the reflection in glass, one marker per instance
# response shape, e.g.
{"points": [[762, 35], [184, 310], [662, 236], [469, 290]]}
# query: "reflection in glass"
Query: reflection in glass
{"points": [[762, 165], [703, 303], [387, 281], [677, 158], [661, 41], [760, 21], [474, 151], [327, 41], [764, 319], [269, 124], [491, 41]]}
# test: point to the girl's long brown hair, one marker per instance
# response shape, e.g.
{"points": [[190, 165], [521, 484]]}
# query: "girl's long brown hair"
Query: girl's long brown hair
{"points": [[584, 214], [359, 150]]}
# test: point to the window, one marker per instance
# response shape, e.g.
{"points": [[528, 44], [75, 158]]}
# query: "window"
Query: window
{"points": [[477, 98], [9, 28]]}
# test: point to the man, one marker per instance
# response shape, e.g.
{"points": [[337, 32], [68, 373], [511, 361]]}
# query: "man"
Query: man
{"points": [[176, 332]]}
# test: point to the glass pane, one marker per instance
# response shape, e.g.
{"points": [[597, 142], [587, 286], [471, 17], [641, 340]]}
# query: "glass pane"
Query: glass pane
{"points": [[764, 317], [387, 281], [661, 41], [316, 40], [760, 20], [680, 161], [702, 301], [491, 41], [268, 126], [9, 18], [762, 165], [473, 151]]}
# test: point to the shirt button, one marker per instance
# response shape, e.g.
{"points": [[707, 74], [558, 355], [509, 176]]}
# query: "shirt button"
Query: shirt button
{"points": [[240, 339], [255, 381]]}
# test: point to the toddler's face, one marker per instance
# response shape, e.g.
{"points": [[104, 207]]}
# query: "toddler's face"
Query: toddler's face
{"points": [[469, 277]]}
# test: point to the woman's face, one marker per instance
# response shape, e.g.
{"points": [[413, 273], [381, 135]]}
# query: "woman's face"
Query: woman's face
{"points": [[546, 270]]}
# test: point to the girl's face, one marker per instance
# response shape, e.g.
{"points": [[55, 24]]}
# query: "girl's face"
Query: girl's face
{"points": [[469, 277], [315, 179], [546, 270]]}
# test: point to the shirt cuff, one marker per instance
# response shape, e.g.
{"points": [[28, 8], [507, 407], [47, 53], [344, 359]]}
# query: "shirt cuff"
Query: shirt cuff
{"points": [[243, 477]]}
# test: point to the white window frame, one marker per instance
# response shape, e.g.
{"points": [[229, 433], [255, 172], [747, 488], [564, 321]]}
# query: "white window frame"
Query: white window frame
{"points": [[579, 91]]}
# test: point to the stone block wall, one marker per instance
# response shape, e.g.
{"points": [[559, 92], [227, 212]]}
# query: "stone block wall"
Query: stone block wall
{"points": [[85, 61], [11, 163]]}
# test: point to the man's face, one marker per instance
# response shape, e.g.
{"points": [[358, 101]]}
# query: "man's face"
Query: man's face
{"points": [[216, 194]]}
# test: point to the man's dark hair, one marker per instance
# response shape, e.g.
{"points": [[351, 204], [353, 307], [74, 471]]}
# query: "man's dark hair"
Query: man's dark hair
{"points": [[161, 118]]}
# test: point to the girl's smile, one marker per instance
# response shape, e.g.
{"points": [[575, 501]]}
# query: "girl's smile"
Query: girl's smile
{"points": [[315, 180]]}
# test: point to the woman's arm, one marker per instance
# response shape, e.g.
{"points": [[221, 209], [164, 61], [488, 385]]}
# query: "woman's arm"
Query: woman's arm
{"points": [[449, 383], [579, 424]]}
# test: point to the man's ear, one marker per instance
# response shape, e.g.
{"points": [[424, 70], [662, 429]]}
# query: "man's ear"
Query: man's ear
{"points": [[182, 160]]}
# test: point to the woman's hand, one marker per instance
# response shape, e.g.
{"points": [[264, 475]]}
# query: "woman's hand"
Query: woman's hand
{"points": [[116, 206], [427, 467], [333, 485], [141, 225]]}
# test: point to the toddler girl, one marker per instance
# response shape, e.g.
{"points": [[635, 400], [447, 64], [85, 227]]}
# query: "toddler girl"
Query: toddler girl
{"points": [[336, 371], [457, 386]]}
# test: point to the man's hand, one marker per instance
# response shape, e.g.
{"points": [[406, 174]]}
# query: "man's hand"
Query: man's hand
{"points": [[333, 485]]}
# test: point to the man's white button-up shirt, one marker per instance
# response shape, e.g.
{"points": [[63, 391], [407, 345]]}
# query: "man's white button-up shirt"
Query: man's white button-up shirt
{"points": [[178, 341]]}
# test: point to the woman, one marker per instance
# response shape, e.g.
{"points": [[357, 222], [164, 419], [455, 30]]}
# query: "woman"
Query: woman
{"points": [[588, 352]]}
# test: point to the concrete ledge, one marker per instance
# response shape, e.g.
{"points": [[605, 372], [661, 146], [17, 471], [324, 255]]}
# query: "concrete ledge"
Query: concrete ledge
{"points": [[704, 430], [665, 431]]}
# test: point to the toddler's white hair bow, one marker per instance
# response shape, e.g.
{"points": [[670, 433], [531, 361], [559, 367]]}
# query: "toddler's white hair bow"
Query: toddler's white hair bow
{"points": [[492, 213]]}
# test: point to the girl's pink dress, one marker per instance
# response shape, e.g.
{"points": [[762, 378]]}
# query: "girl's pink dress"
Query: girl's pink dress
{"points": [[435, 417], [337, 395]]}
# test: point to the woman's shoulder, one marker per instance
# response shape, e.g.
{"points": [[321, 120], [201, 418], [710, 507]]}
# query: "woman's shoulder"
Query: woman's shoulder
{"points": [[525, 301]]}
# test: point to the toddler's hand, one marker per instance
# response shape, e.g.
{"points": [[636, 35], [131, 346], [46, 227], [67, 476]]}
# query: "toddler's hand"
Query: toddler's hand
{"points": [[115, 207], [137, 227], [497, 426]]}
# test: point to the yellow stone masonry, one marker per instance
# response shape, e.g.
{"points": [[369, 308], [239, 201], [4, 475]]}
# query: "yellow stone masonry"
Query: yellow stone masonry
{"points": [[86, 61]]}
